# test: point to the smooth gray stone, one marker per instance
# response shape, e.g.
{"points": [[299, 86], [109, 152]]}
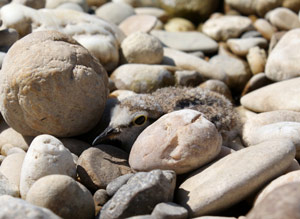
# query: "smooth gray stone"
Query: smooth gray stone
{"points": [[169, 210], [117, 183]]}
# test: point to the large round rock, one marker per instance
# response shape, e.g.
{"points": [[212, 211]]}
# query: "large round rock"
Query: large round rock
{"points": [[50, 84]]}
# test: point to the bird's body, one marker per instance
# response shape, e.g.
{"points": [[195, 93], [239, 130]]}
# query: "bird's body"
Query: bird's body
{"points": [[134, 113]]}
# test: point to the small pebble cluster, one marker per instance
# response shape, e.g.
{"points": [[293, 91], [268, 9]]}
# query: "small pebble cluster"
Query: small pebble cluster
{"points": [[67, 67]]}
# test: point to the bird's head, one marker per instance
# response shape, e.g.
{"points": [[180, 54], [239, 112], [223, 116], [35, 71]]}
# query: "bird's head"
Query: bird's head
{"points": [[128, 120]]}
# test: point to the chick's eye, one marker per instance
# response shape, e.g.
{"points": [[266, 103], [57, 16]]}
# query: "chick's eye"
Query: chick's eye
{"points": [[140, 120]]}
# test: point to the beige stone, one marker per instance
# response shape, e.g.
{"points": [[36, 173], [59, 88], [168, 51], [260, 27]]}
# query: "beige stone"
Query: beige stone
{"points": [[5, 148], [282, 62], [187, 78], [37, 4], [217, 86], [96, 3], [70, 6], [292, 4], [225, 27], [257, 59], [48, 80], [55, 3], [235, 177], [241, 47], [142, 48], [283, 18], [7, 187], [181, 141], [178, 24], [62, 195], [265, 28], [282, 95], [15, 150], [142, 78], [156, 12], [11, 167], [139, 3]]}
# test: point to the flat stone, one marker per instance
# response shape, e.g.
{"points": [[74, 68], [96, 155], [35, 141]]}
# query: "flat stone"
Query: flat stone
{"points": [[115, 12], [142, 78], [151, 187], [265, 28], [169, 210], [182, 141], [156, 12], [46, 155], [62, 195], [273, 125], [117, 183], [257, 59], [186, 41], [251, 34], [282, 62], [134, 23], [262, 163], [283, 202], [256, 81], [11, 167], [282, 95], [283, 18], [98, 166], [19, 209], [225, 27], [190, 62], [241, 47], [179, 24], [7, 187]]}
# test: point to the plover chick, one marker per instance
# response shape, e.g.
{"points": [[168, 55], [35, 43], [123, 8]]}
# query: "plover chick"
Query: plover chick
{"points": [[133, 114]]}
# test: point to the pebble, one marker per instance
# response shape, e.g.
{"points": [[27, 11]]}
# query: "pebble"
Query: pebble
{"points": [[283, 202], [70, 6], [182, 41], [100, 198], [142, 48], [11, 168], [170, 210], [2, 55], [256, 81], [156, 12], [277, 96], [96, 3], [181, 141], [217, 86], [31, 3], [251, 34], [187, 78], [8, 37], [265, 28], [292, 177], [140, 3], [117, 183], [275, 39], [98, 166], [226, 27], [5, 148], [281, 63], [45, 156], [142, 78], [19, 209], [241, 47], [178, 24], [7, 187], [152, 187], [199, 195], [62, 195], [115, 12], [14, 150], [257, 59], [283, 19], [139, 22], [74, 145], [56, 3]]}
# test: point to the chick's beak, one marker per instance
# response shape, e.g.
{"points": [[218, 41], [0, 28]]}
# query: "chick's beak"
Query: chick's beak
{"points": [[107, 133]]}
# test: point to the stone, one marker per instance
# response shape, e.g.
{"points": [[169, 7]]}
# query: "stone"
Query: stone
{"points": [[291, 177], [236, 69], [275, 39], [2, 55], [156, 12], [143, 48], [236, 176], [179, 24], [216, 217], [11, 168], [292, 4], [62, 195], [8, 37], [272, 97], [115, 12], [117, 183], [134, 23], [169, 210], [60, 86], [182, 41], [192, 9], [7, 187], [189, 62], [19, 209], [96, 3], [257, 59], [45, 156], [265, 28], [181, 141], [283, 18], [2, 158], [101, 38], [260, 7], [56, 3], [273, 125], [217, 86], [14, 150], [139, 3], [251, 34], [98, 166], [187, 78], [70, 6], [142, 78], [37, 4], [3, 2], [74, 145], [197, 54], [150, 188], [241, 47], [282, 62], [281, 203], [226, 27], [256, 81], [100, 197], [5, 148], [293, 167]]}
